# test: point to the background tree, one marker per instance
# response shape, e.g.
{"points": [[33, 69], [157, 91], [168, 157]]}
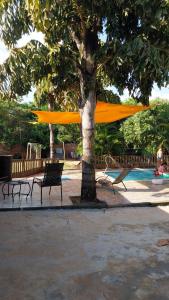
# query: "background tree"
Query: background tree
{"points": [[134, 52], [147, 130], [108, 139], [69, 134], [16, 125]]}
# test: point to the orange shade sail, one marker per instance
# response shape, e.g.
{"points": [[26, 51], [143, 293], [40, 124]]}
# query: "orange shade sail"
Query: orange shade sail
{"points": [[105, 113]]}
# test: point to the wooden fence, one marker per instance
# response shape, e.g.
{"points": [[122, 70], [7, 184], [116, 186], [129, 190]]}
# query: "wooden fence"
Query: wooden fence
{"points": [[26, 167], [22, 167], [129, 160]]}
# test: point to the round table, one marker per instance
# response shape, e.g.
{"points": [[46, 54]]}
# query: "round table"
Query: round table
{"points": [[13, 184]]}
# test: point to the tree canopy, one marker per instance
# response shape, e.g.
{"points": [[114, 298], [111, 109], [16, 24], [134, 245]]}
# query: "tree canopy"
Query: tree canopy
{"points": [[118, 33], [16, 125], [147, 130]]}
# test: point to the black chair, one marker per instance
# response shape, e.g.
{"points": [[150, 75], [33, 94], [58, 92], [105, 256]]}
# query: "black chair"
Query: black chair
{"points": [[52, 177]]}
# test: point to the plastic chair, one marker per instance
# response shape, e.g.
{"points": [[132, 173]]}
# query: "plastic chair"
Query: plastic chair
{"points": [[106, 180]]}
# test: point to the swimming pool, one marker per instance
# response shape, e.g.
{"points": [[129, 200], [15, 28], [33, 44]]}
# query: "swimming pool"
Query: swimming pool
{"points": [[136, 174], [64, 177]]}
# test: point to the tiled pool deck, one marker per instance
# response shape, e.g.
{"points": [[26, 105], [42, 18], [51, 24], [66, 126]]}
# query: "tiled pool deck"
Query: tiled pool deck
{"points": [[137, 192]]}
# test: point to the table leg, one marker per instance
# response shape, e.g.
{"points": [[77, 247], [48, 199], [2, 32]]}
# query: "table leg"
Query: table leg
{"points": [[3, 190], [12, 193], [19, 191], [3, 187], [28, 190]]}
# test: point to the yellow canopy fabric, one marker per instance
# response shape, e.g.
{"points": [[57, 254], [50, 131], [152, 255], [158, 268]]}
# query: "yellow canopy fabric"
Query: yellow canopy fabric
{"points": [[105, 113]]}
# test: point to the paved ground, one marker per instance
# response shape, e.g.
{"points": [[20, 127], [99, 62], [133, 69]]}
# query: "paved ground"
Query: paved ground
{"points": [[137, 192], [84, 254]]}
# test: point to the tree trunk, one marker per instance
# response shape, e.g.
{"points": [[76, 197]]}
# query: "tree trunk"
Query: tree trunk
{"points": [[51, 132], [64, 152], [87, 110], [87, 45], [52, 150], [88, 187]]}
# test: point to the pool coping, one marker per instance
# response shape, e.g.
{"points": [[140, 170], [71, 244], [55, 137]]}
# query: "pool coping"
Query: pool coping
{"points": [[83, 206]]}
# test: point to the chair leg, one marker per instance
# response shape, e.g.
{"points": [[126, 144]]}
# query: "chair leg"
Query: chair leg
{"points": [[3, 190], [61, 193], [32, 187], [113, 189], [19, 191], [124, 185], [13, 193], [41, 195], [49, 190]]}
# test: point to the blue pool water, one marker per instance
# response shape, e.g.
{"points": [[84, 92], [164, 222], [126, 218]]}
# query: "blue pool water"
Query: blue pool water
{"points": [[64, 177], [137, 174]]}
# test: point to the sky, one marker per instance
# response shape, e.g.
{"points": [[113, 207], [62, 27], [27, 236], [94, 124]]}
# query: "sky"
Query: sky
{"points": [[156, 92]]}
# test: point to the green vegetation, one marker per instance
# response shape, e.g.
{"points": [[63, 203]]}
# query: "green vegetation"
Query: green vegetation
{"points": [[140, 134], [16, 125], [147, 130]]}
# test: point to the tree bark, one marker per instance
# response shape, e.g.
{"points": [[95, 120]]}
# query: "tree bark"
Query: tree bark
{"points": [[88, 187], [87, 110], [64, 152], [51, 133], [87, 44]]}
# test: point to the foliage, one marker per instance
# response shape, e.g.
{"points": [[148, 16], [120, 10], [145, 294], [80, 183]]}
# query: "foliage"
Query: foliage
{"points": [[24, 68], [69, 133], [108, 139], [130, 101], [16, 125], [134, 52], [149, 129]]}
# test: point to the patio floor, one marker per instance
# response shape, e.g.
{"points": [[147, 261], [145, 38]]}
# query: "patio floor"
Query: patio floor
{"points": [[138, 192], [110, 254]]}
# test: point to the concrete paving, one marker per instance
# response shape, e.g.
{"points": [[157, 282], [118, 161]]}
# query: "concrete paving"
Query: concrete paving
{"points": [[84, 254]]}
